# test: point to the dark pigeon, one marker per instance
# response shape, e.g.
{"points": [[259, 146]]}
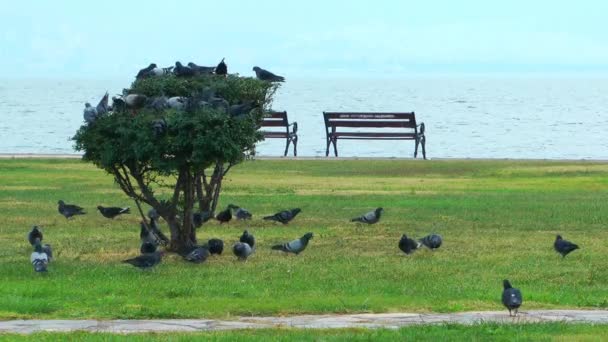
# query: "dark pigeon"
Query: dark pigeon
{"points": [[407, 245], [242, 250], [103, 106], [69, 210], [215, 246], [159, 103], [295, 246], [112, 212], [145, 261], [432, 241], [135, 101], [225, 215], [511, 297], [266, 75], [369, 218], [242, 214], [147, 248], [155, 229], [198, 255], [221, 68], [182, 71], [34, 236], [39, 258], [247, 238], [198, 219], [146, 72], [241, 109], [284, 216], [201, 69], [146, 236], [159, 127], [564, 247]]}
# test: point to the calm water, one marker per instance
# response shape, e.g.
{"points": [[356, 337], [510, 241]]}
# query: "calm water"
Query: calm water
{"points": [[496, 117]]}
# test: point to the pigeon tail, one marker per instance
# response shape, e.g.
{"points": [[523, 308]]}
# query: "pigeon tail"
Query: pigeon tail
{"points": [[278, 247]]}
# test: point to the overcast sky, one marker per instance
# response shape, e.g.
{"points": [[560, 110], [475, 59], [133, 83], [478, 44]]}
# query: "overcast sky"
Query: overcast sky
{"points": [[110, 38]]}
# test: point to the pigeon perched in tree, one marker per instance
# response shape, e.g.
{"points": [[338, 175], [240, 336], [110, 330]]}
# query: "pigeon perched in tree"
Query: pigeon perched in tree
{"points": [[221, 68], [103, 105], [197, 255], [295, 246], [145, 72], [242, 109], [407, 245], [266, 75], [247, 238], [159, 127], [432, 241], [564, 247], [112, 212], [177, 102], [69, 210], [225, 215], [201, 69], [147, 248], [135, 101], [39, 258], [284, 216], [215, 246], [511, 297], [181, 70], [89, 114], [198, 219], [242, 214], [34, 235], [369, 218], [159, 103], [145, 261], [242, 250]]}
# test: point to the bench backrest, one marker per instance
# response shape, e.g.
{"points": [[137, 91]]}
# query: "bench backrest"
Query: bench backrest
{"points": [[369, 119], [275, 119]]}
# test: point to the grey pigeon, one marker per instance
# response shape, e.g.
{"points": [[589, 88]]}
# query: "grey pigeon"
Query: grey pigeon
{"points": [[147, 247], [135, 101], [69, 210], [221, 68], [242, 250], [198, 219], [145, 72], [266, 75], [201, 69], [242, 214], [155, 229], [407, 245], [295, 246], [215, 246], [369, 218], [146, 236], [153, 214], [112, 212], [39, 258], [564, 247], [145, 261], [182, 71], [177, 102], [34, 236], [159, 103], [432, 241], [284, 216], [89, 114], [103, 106], [247, 238], [197, 255], [511, 297]]}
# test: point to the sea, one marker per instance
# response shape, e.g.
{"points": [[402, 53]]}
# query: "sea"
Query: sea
{"points": [[523, 117]]}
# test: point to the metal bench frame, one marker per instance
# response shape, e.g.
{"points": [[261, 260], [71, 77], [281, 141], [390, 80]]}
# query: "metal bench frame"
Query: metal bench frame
{"points": [[279, 119]]}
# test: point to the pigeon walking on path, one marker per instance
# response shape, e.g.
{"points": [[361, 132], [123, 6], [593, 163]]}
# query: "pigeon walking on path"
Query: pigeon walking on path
{"points": [[266, 75], [35, 235], [215, 246], [242, 214], [295, 246], [197, 255], [112, 212], [564, 247], [39, 258], [407, 245], [511, 297], [242, 250], [247, 238], [284, 216], [221, 68], [69, 210], [145, 261], [369, 218], [432, 241]]}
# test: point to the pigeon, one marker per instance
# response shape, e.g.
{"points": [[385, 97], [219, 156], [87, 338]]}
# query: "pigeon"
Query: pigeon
{"points": [[266, 75], [241, 109], [225, 215], [112, 212], [198, 219], [215, 246], [69, 210], [242, 250], [221, 68], [39, 258], [295, 246], [284, 216], [564, 247], [369, 218], [197, 255], [159, 127], [135, 101], [159, 103], [181, 70], [89, 114], [219, 104], [145, 72], [153, 214], [145, 261], [103, 106], [247, 238], [35, 235], [147, 247], [432, 241], [407, 245], [46, 248], [242, 214], [177, 102], [511, 297], [146, 236], [201, 69], [154, 229]]}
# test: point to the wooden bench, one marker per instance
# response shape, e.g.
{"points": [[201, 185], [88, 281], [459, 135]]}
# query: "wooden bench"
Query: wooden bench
{"points": [[279, 119], [404, 125]]}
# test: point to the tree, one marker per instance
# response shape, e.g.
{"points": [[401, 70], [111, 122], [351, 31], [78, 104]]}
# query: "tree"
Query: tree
{"points": [[175, 158]]}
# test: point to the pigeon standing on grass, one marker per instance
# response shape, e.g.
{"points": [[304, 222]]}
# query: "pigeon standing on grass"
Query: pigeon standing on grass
{"points": [[369, 218], [155, 229], [112, 212], [34, 235], [198, 219], [242, 214], [215, 246], [266, 75], [242, 250], [147, 247], [146, 236], [564, 247], [511, 297], [407, 245], [295, 246], [197, 255], [69, 210], [432, 241], [145, 261], [225, 216], [284, 216], [247, 238], [39, 258], [221, 68]]}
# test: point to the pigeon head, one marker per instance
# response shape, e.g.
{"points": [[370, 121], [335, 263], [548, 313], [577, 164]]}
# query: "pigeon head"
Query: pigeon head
{"points": [[558, 237], [99, 207], [192, 65], [506, 284], [256, 68], [307, 237], [60, 202], [296, 211], [88, 105], [178, 64], [232, 206], [35, 229], [379, 211], [152, 65]]}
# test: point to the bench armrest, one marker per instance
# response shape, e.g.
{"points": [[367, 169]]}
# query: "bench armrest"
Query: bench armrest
{"points": [[421, 132], [295, 127]]}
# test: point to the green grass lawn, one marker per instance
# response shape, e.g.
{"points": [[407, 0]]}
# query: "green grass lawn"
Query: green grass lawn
{"points": [[498, 220]]}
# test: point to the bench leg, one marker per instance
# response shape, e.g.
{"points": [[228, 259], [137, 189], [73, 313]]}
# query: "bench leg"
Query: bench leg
{"points": [[295, 146], [416, 148], [335, 141], [423, 142], [286, 147], [327, 147]]}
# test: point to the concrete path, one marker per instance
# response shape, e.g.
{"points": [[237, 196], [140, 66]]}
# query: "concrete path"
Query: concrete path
{"points": [[389, 320]]}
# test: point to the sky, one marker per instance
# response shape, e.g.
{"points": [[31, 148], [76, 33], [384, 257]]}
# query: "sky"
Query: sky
{"points": [[108, 39]]}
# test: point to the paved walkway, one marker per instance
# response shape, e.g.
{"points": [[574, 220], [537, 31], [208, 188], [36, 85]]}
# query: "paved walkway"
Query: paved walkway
{"points": [[388, 320]]}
